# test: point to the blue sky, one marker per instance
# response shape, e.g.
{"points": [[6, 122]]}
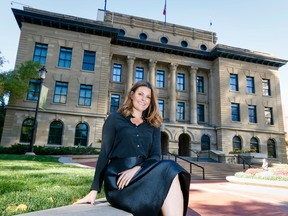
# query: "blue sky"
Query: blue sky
{"points": [[258, 25]]}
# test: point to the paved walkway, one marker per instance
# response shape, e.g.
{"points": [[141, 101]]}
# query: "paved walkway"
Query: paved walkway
{"points": [[208, 197], [219, 198]]}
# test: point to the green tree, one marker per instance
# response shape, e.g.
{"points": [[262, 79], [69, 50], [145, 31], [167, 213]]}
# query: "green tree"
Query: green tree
{"points": [[14, 84]]}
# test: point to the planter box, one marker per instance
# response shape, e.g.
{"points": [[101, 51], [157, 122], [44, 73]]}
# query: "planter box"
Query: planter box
{"points": [[253, 157]]}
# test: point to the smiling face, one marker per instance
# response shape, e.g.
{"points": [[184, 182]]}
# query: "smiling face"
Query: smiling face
{"points": [[141, 100]]}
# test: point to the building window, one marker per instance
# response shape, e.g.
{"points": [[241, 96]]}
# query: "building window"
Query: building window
{"points": [[161, 107], [184, 44], [40, 53], [205, 143], [143, 36], [271, 148], [60, 92], [34, 90], [115, 102], [160, 79], [81, 135], [252, 114], [85, 95], [139, 74], [55, 133], [254, 144], [26, 130], [121, 33], [235, 112], [200, 84], [200, 113], [164, 40], [89, 60], [250, 88], [117, 72], [268, 112], [180, 82], [266, 87], [203, 47], [237, 143], [65, 57], [234, 82], [180, 111]]}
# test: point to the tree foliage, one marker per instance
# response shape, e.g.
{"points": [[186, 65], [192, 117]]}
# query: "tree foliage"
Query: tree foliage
{"points": [[14, 84]]}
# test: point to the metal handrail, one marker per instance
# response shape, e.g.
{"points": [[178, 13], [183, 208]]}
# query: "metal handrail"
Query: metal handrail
{"points": [[244, 162], [197, 153], [190, 162]]}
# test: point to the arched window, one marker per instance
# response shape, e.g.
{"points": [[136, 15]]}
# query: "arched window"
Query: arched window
{"points": [[237, 144], [205, 143], [55, 133], [26, 130], [254, 144], [81, 135], [271, 148]]}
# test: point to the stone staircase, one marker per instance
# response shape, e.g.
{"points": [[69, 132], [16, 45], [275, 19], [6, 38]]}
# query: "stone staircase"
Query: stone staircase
{"points": [[212, 170]]}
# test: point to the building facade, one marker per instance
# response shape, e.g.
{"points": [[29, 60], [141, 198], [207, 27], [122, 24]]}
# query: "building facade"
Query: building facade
{"points": [[213, 97]]}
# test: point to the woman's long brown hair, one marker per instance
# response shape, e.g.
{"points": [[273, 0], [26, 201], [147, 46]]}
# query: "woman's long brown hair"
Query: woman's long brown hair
{"points": [[152, 113]]}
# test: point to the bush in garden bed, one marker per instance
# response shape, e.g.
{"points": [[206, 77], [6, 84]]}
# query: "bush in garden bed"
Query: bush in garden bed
{"points": [[45, 150]]}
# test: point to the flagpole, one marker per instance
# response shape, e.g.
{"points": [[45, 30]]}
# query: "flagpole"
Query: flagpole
{"points": [[164, 11], [105, 4], [211, 30]]}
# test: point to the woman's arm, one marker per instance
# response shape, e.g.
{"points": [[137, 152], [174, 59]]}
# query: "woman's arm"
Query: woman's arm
{"points": [[89, 198], [108, 136]]}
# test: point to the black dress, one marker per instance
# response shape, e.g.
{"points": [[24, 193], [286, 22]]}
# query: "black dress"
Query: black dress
{"points": [[125, 145]]}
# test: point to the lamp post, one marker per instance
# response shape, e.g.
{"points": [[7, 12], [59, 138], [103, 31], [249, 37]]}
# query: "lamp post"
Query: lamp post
{"points": [[42, 75]]}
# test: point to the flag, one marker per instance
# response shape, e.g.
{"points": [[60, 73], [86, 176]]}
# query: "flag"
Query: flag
{"points": [[210, 22], [43, 97], [164, 10]]}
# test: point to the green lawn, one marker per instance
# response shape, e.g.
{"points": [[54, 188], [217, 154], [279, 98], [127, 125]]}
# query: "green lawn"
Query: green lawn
{"points": [[31, 183]]}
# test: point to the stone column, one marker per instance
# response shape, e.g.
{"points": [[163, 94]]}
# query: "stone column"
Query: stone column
{"points": [[152, 73], [172, 92], [130, 63], [211, 107], [193, 95]]}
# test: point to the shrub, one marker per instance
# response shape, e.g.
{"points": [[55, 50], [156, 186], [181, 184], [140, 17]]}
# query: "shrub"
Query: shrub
{"points": [[276, 174], [253, 171], [47, 150], [237, 151]]}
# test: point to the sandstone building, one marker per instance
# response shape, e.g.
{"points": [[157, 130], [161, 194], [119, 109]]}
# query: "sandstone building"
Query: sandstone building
{"points": [[214, 98]]}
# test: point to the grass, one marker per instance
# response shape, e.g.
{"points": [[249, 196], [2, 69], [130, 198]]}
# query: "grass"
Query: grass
{"points": [[31, 183]]}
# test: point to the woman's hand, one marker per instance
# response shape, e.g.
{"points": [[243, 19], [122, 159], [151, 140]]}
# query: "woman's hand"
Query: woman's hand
{"points": [[89, 198], [126, 176]]}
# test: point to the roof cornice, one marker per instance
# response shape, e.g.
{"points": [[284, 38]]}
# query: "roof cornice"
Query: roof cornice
{"points": [[71, 23], [64, 22]]}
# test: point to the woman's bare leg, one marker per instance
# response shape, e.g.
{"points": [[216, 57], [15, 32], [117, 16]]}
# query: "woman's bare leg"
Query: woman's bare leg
{"points": [[173, 204]]}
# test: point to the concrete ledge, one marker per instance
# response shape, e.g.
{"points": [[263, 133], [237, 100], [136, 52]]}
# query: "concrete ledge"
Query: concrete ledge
{"points": [[260, 182], [101, 208]]}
